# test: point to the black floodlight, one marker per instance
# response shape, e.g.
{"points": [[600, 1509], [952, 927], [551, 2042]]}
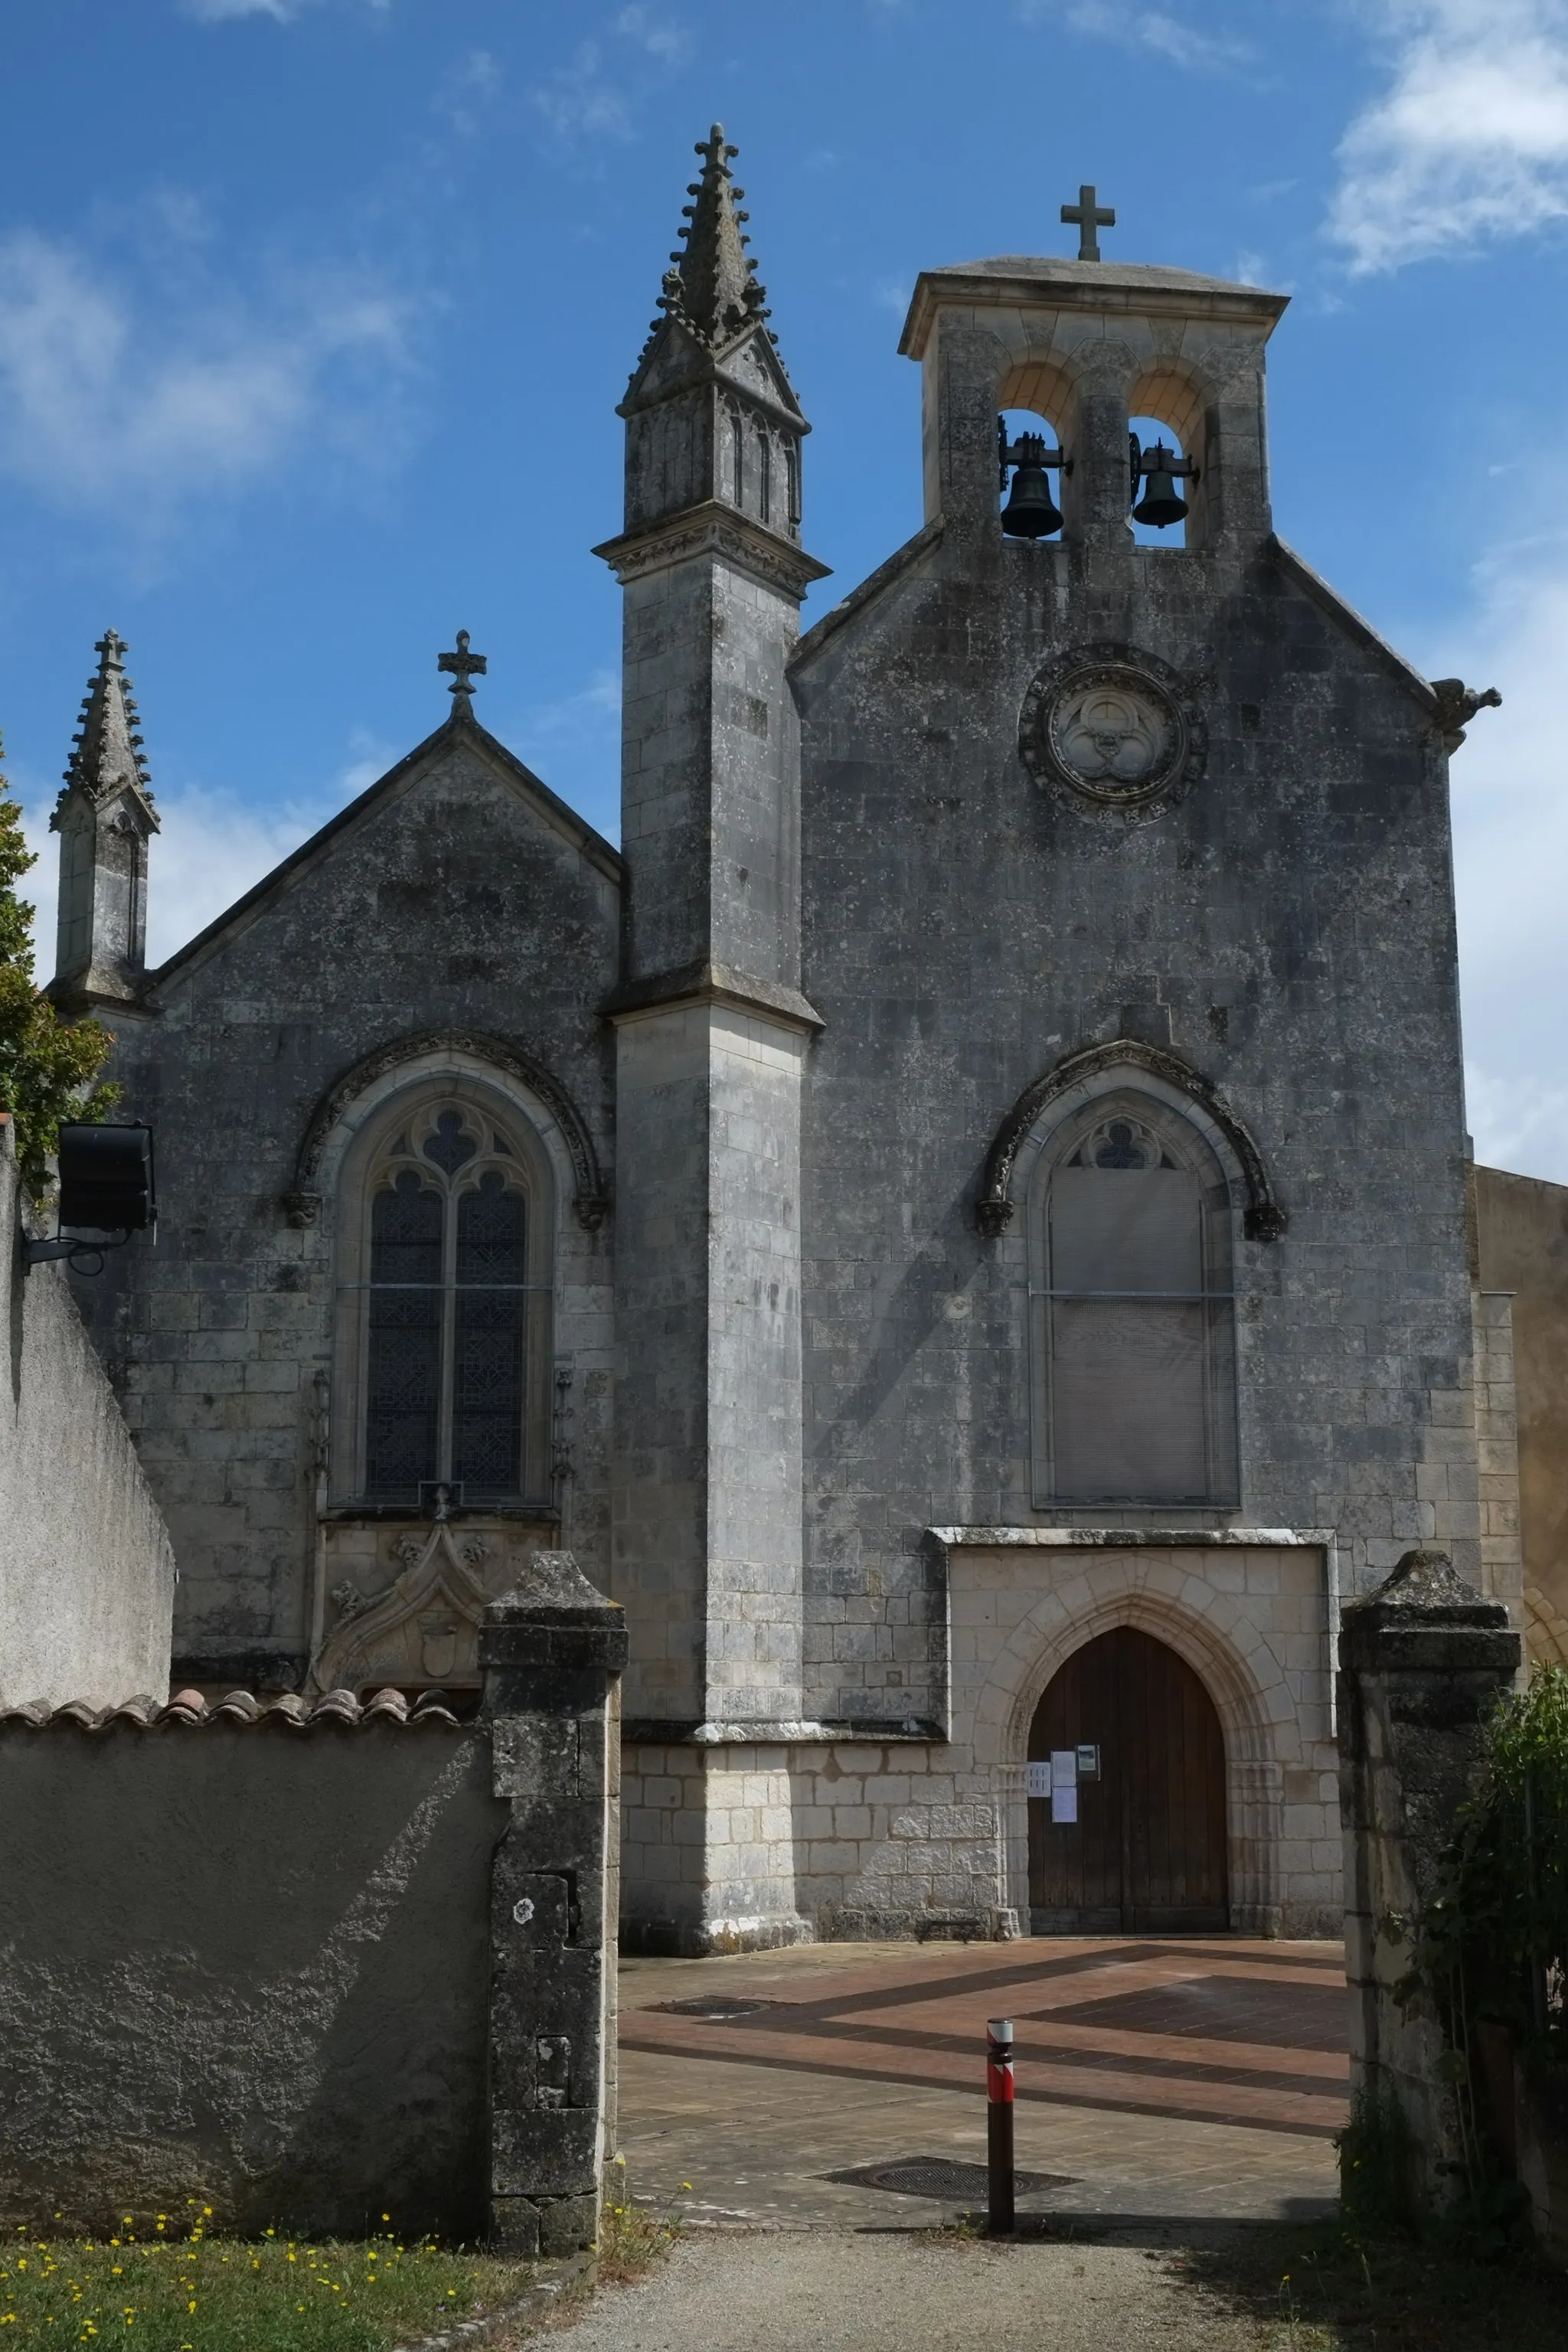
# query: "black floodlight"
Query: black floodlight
{"points": [[106, 1190], [106, 1179]]}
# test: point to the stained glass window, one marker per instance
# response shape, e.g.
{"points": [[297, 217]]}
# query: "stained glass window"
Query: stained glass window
{"points": [[486, 1375], [403, 1372], [446, 1333]]}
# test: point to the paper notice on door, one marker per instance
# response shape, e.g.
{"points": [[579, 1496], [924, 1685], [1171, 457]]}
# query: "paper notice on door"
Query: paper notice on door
{"points": [[1064, 1784], [1039, 1777]]}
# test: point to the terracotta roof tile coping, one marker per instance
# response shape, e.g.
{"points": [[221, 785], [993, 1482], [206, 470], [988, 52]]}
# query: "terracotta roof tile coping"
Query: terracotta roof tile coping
{"points": [[338, 1706]]}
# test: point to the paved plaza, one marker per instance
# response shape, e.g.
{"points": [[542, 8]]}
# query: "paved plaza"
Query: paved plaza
{"points": [[1157, 2080]]}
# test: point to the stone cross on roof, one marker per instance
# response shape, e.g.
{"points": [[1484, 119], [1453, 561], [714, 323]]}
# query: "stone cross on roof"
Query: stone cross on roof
{"points": [[461, 666], [1086, 216]]}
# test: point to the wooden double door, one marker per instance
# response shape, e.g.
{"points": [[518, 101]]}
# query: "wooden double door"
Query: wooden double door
{"points": [[1147, 1853]]}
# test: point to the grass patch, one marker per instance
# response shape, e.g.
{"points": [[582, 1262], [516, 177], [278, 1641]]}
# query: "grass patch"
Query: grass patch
{"points": [[196, 2294], [1327, 2288], [631, 2239]]}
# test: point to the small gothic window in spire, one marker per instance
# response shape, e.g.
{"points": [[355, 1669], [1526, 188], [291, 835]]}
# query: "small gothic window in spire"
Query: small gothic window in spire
{"points": [[737, 456]]}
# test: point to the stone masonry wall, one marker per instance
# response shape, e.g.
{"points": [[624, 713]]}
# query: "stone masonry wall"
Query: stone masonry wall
{"points": [[86, 1573], [1422, 1660], [1521, 1229], [458, 899], [1285, 930]]}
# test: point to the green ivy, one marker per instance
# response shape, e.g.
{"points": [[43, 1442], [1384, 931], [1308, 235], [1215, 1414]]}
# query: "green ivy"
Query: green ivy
{"points": [[1493, 1940], [47, 1066]]}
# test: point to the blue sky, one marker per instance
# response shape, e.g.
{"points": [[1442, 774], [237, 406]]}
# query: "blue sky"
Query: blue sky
{"points": [[314, 313]]}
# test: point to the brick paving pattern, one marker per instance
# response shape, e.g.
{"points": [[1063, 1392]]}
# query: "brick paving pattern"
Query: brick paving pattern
{"points": [[1202, 2075], [1221, 2032]]}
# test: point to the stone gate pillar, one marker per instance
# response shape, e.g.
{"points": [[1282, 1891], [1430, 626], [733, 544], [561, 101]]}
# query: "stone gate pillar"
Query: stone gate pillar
{"points": [[1421, 1662], [553, 1653]]}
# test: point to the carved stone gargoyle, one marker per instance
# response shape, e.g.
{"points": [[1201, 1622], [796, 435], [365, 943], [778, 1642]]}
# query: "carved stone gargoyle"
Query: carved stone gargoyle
{"points": [[1456, 705]]}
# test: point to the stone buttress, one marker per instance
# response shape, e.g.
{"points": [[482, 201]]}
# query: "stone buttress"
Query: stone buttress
{"points": [[712, 1033]]}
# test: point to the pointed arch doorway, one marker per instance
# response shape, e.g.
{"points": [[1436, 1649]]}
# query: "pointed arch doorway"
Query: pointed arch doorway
{"points": [[1146, 1854]]}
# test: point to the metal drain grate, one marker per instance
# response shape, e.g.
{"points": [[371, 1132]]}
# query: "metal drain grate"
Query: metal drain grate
{"points": [[942, 2180], [719, 2006]]}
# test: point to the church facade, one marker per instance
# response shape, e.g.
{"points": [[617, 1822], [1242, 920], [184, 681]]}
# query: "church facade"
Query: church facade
{"points": [[959, 1223]]}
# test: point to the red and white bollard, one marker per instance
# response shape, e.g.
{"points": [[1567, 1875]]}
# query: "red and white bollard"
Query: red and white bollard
{"points": [[999, 2126]]}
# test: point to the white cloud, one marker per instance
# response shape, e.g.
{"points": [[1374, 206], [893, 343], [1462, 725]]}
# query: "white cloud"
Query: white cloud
{"points": [[1469, 142], [579, 102], [1510, 851], [1152, 29], [110, 403], [467, 87], [218, 12], [582, 102], [282, 12], [655, 34], [212, 850]]}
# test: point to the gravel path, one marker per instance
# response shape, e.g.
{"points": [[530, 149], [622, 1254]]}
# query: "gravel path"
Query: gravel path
{"points": [[814, 2291]]}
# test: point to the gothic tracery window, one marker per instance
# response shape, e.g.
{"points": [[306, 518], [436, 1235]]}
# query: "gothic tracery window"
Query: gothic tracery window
{"points": [[446, 1311], [1134, 1314]]}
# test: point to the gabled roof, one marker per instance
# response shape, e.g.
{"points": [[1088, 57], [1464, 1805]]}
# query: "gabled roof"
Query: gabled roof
{"points": [[1350, 624], [460, 730]]}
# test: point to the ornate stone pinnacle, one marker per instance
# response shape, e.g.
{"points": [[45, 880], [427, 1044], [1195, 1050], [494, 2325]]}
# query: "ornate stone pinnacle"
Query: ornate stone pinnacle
{"points": [[712, 288], [107, 750], [462, 666]]}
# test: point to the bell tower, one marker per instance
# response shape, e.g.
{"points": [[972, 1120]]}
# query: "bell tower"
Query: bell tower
{"points": [[1090, 344], [712, 1033]]}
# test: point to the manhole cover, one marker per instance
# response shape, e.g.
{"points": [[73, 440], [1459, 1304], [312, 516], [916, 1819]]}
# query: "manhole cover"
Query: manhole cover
{"points": [[942, 2180], [719, 2006]]}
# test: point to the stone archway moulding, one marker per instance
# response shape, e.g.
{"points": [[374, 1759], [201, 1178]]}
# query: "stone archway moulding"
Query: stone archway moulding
{"points": [[302, 1202], [1080, 1583], [1264, 1220]]}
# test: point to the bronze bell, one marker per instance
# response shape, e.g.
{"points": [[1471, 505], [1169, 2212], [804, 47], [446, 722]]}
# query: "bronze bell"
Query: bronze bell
{"points": [[1160, 504], [1031, 512]]}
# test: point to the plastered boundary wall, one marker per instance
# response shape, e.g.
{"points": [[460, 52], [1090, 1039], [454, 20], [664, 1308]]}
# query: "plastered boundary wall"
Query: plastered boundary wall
{"points": [[86, 1571], [310, 1966], [246, 1965]]}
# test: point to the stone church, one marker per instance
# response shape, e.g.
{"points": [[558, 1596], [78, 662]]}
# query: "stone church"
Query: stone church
{"points": [[959, 1222]]}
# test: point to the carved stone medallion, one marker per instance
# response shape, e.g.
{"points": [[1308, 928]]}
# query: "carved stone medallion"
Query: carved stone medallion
{"points": [[1114, 725]]}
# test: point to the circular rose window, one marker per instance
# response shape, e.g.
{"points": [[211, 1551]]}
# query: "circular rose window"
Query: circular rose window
{"points": [[1112, 726]]}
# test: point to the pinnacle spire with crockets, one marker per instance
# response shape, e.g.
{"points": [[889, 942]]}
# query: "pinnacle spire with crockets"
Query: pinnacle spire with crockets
{"points": [[106, 754], [712, 288]]}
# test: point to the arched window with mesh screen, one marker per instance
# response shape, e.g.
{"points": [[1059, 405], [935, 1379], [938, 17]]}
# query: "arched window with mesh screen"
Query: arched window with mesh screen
{"points": [[1134, 1317], [446, 1308]]}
